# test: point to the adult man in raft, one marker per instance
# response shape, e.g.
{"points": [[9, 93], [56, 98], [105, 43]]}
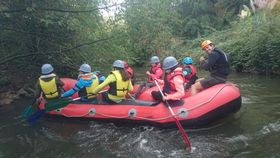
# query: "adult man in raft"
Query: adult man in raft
{"points": [[218, 65]]}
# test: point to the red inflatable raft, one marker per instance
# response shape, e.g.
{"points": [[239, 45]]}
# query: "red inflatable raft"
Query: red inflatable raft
{"points": [[201, 109]]}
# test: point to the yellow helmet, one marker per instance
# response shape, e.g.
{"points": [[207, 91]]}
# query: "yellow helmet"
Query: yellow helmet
{"points": [[205, 43]]}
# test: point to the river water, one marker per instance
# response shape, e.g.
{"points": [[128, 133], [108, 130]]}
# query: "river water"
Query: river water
{"points": [[254, 131]]}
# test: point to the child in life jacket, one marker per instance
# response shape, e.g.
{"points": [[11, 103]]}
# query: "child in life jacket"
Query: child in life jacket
{"points": [[189, 72]]}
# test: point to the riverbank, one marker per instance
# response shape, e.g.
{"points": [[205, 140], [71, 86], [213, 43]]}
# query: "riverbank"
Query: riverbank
{"points": [[9, 95], [14, 88]]}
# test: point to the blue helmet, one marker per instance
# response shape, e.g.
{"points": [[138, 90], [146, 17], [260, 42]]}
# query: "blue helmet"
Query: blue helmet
{"points": [[187, 60]]}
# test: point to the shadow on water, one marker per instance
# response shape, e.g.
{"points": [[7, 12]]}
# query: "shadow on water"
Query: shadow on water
{"points": [[252, 132]]}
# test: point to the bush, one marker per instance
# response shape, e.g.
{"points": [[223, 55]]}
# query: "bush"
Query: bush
{"points": [[253, 43]]}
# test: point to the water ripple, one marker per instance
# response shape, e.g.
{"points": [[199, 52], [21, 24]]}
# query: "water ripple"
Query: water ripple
{"points": [[271, 127], [239, 139]]}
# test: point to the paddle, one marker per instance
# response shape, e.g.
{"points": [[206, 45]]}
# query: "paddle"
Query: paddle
{"points": [[58, 103], [49, 106], [181, 129], [28, 110], [35, 116], [53, 105], [131, 96]]}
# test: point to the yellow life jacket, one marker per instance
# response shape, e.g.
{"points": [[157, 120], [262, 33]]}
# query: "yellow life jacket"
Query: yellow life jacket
{"points": [[95, 83], [120, 87], [88, 90], [49, 88]]}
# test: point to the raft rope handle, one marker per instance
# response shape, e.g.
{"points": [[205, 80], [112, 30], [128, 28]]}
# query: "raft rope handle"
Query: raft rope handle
{"points": [[150, 119], [121, 117], [209, 99]]}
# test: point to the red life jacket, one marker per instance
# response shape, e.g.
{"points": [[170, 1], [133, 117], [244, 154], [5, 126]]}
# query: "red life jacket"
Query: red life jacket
{"points": [[193, 73], [169, 85], [98, 74], [154, 69], [130, 71]]}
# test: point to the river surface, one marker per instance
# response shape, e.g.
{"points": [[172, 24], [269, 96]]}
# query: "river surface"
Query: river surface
{"points": [[254, 132]]}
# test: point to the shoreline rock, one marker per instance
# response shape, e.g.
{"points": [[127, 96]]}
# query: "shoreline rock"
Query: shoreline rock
{"points": [[10, 96]]}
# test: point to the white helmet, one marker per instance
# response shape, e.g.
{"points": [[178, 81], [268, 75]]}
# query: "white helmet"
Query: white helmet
{"points": [[154, 59], [46, 69], [85, 68], [119, 64]]}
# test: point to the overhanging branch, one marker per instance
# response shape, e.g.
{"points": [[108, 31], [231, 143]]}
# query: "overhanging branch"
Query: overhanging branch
{"points": [[52, 52], [78, 11], [61, 10]]}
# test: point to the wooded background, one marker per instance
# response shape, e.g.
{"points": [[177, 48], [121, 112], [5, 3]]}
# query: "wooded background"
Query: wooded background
{"points": [[67, 33]]}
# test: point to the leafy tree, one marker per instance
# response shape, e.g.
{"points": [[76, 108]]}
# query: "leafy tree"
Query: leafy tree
{"points": [[149, 26]]}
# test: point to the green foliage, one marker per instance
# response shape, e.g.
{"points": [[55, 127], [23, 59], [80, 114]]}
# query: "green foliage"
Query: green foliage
{"points": [[67, 33], [149, 27], [63, 33], [201, 17], [253, 43]]}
